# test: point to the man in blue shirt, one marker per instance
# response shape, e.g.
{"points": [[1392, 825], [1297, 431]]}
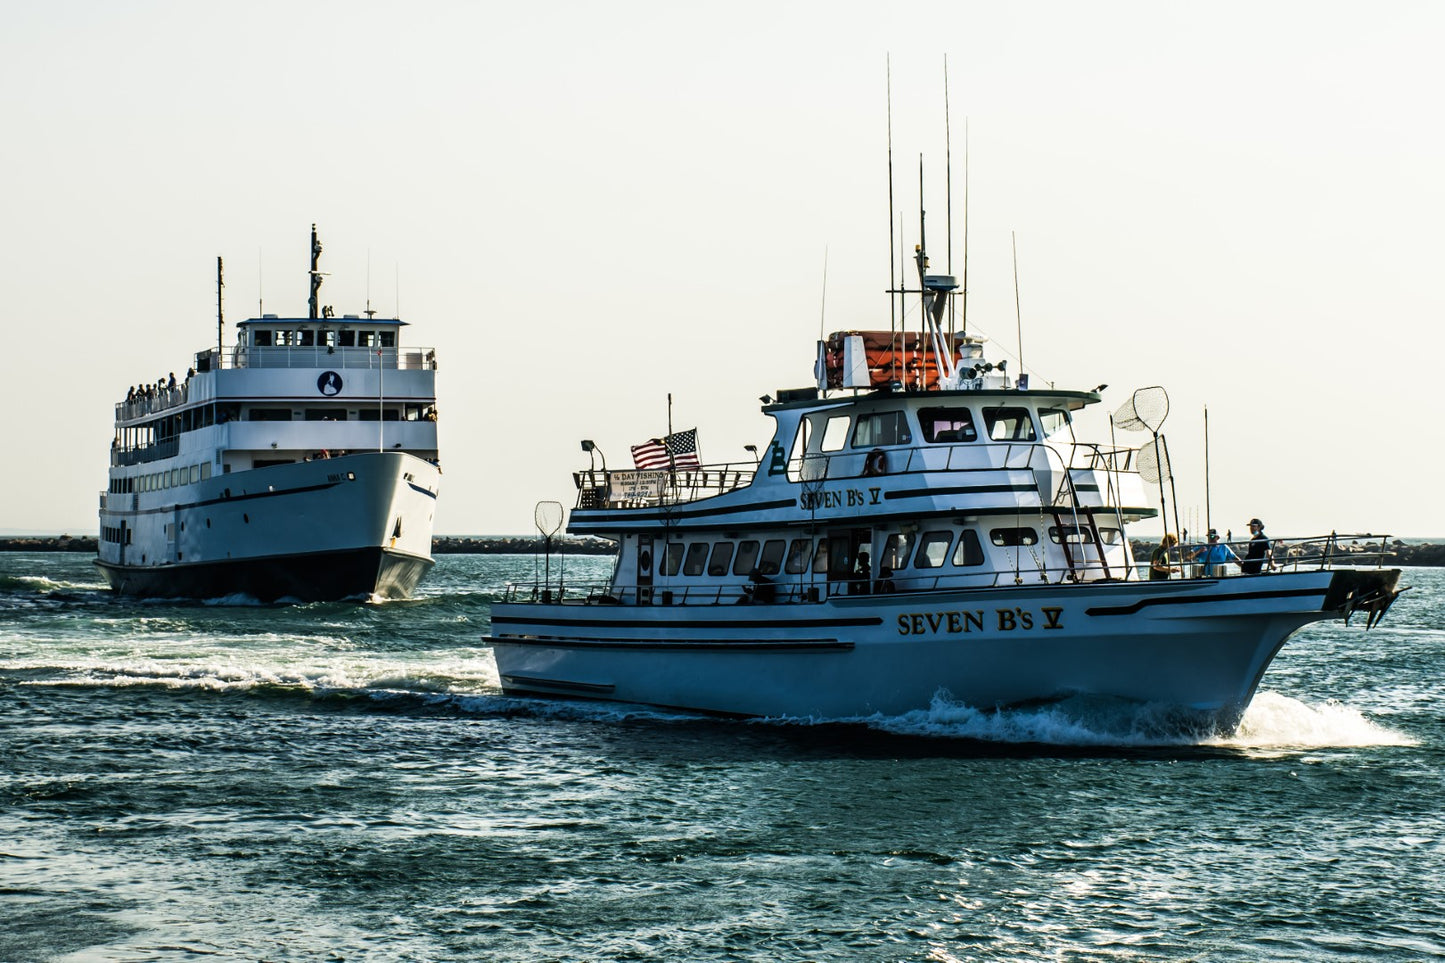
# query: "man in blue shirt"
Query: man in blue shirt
{"points": [[1215, 556]]}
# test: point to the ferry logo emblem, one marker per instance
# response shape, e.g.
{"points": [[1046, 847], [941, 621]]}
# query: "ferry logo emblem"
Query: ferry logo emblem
{"points": [[329, 383]]}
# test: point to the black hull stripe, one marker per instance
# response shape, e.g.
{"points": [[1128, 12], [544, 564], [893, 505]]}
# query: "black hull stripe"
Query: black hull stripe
{"points": [[741, 625], [958, 490], [1202, 599], [686, 645], [310, 576], [591, 688]]}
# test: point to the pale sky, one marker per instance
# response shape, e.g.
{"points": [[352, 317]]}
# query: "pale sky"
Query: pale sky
{"points": [[585, 206]]}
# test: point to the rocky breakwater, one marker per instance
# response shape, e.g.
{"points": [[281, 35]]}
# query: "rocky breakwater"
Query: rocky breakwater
{"points": [[1400, 553]]}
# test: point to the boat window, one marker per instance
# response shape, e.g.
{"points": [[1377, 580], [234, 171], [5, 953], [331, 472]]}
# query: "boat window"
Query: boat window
{"points": [[722, 556], [672, 558], [1075, 534], [772, 560], [306, 338], [1009, 424], [747, 557], [388, 339], [932, 549], [820, 557], [882, 428], [346, 338], [799, 554], [176, 476], [369, 414], [942, 425], [835, 434], [325, 414], [195, 474], [1013, 536], [268, 414], [696, 558], [328, 338], [1053, 420], [261, 338], [205, 470], [1109, 536], [895, 551], [970, 550]]}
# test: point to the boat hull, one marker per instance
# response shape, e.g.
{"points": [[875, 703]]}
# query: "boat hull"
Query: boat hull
{"points": [[1201, 644]]}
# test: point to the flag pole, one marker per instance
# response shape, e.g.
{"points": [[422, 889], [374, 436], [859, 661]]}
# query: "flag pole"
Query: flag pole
{"points": [[667, 443]]}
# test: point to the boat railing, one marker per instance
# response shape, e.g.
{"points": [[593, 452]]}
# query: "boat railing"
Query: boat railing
{"points": [[1298, 554], [145, 454], [963, 456], [157, 399], [317, 356], [598, 488]]}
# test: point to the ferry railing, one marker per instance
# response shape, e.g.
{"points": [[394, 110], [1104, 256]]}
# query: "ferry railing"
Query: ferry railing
{"points": [[158, 399], [146, 454], [320, 356], [616, 488]]}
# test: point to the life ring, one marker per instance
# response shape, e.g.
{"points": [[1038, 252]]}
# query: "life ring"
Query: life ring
{"points": [[876, 463]]}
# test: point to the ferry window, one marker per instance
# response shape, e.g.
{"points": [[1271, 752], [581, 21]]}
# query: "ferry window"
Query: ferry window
{"points": [[672, 560], [696, 559], [307, 338], [722, 556], [328, 338], [799, 554], [835, 434], [970, 550], [388, 339], [176, 476], [346, 339], [932, 549], [1073, 533], [747, 557], [882, 428], [268, 414], [895, 551], [1009, 424], [1014, 536], [261, 338], [205, 470], [1109, 536], [326, 414], [772, 560], [195, 474], [364, 339], [1053, 420], [943, 425], [369, 414], [820, 558]]}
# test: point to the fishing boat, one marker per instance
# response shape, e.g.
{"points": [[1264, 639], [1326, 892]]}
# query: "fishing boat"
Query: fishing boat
{"points": [[298, 463], [923, 524]]}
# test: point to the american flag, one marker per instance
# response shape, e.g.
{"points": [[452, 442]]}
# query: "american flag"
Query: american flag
{"points": [[680, 445]]}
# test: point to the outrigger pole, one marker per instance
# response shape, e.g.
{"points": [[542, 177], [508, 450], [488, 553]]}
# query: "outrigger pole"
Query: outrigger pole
{"points": [[892, 280]]}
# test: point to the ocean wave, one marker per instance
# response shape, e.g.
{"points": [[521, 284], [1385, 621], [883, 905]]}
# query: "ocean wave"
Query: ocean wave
{"points": [[42, 585]]}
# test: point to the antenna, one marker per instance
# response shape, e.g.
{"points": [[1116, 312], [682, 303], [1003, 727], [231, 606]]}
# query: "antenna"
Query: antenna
{"points": [[369, 312], [823, 310], [948, 183], [315, 273], [1208, 516], [892, 282], [1018, 312], [260, 288], [220, 311], [963, 309]]}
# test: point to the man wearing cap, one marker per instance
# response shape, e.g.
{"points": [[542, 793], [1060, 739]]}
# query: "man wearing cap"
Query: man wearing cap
{"points": [[1215, 553], [1258, 554]]}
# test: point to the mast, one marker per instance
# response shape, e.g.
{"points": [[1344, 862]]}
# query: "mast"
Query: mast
{"points": [[948, 182], [315, 274], [220, 312], [892, 280]]}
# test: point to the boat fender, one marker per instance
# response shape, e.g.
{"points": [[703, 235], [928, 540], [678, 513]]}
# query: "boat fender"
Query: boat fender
{"points": [[876, 463]]}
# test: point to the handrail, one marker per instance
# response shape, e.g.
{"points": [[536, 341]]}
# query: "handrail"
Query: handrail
{"points": [[660, 487]]}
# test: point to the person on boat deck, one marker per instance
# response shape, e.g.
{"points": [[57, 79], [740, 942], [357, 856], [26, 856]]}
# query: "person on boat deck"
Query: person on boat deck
{"points": [[1258, 555], [885, 581], [759, 588], [1216, 553], [861, 576], [1159, 567]]}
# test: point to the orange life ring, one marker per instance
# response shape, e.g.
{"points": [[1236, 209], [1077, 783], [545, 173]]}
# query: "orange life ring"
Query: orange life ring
{"points": [[876, 463]]}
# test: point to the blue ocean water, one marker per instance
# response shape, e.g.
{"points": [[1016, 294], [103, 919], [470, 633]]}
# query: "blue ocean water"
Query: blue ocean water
{"points": [[339, 781]]}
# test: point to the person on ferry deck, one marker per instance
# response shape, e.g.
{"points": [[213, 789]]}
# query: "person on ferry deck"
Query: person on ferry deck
{"points": [[1215, 556], [1258, 555], [1159, 566]]}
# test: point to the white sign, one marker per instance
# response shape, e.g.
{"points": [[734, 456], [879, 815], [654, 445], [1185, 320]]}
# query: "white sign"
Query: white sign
{"points": [[628, 486]]}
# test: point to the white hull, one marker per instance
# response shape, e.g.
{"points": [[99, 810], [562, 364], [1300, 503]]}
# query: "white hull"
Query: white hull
{"points": [[331, 528], [1200, 644]]}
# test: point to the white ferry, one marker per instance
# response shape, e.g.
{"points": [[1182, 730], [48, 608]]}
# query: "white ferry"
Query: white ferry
{"points": [[299, 463], [920, 525]]}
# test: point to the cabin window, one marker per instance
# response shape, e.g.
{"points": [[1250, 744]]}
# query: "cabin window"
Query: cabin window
{"points": [[722, 556], [268, 414], [933, 549], [306, 339], [176, 478], [346, 339], [895, 551], [328, 338], [325, 414], [1009, 424], [369, 414], [261, 338], [820, 557], [970, 549], [799, 554], [835, 434], [747, 557], [1053, 420], [195, 474], [882, 428], [1075, 534], [944, 425], [772, 559], [696, 559], [387, 338], [1109, 536], [365, 339], [205, 470], [1013, 536], [672, 559]]}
